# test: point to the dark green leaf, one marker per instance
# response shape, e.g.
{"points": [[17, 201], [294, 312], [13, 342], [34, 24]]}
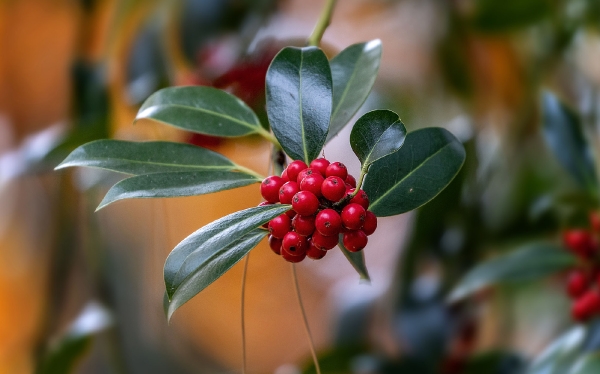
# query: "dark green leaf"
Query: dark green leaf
{"points": [[356, 259], [64, 354], [299, 98], [564, 135], [175, 184], [353, 72], [203, 267], [429, 159], [211, 239], [204, 110], [146, 157], [530, 262], [375, 135], [560, 355]]}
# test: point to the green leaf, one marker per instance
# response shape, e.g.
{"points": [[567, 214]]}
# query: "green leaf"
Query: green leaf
{"points": [[139, 158], [211, 239], [427, 162], [560, 355], [586, 364], [564, 135], [529, 262], [353, 72], [64, 354], [356, 259], [175, 184], [201, 268], [375, 135], [200, 109], [299, 94]]}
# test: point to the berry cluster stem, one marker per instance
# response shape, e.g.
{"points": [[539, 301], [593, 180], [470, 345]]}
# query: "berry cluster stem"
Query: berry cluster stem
{"points": [[306, 327], [322, 23]]}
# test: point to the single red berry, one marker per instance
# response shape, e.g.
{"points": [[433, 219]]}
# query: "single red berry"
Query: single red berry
{"points": [[304, 225], [320, 165], [370, 224], [303, 174], [280, 225], [324, 242], [305, 203], [333, 188], [586, 305], [360, 198], [579, 241], [275, 244], [336, 169], [294, 243], [312, 183], [353, 216], [328, 222], [284, 176], [291, 213], [291, 258], [351, 181], [595, 221], [287, 192], [269, 188], [315, 252], [294, 168], [577, 283], [355, 240], [579, 311]]}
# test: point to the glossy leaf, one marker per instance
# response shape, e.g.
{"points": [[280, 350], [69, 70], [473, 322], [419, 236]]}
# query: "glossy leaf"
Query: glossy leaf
{"points": [[211, 239], [353, 72], [200, 109], [139, 158], [530, 262], [559, 357], [207, 267], [429, 159], [375, 135], [299, 94], [564, 135], [175, 184], [356, 259]]}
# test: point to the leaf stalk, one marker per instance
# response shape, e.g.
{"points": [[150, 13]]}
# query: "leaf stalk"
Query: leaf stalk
{"points": [[322, 23]]}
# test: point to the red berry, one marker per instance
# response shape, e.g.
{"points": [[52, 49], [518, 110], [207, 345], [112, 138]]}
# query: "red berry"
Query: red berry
{"points": [[324, 242], [303, 174], [328, 222], [353, 216], [595, 221], [577, 283], [280, 225], [305, 203], [290, 213], [269, 188], [294, 243], [579, 242], [287, 192], [275, 244], [312, 183], [284, 176], [360, 198], [304, 225], [294, 168], [355, 240], [333, 188], [291, 258], [351, 181], [370, 224], [578, 311], [586, 305], [320, 165], [315, 253], [336, 169]]}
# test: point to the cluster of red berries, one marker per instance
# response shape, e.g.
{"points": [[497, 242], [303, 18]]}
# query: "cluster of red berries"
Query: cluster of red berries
{"points": [[324, 205], [583, 283]]}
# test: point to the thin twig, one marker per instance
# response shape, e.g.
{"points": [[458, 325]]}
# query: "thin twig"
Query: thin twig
{"points": [[322, 23], [306, 327], [242, 313]]}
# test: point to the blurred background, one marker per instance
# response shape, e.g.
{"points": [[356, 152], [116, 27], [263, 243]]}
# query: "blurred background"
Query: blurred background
{"points": [[82, 292]]}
